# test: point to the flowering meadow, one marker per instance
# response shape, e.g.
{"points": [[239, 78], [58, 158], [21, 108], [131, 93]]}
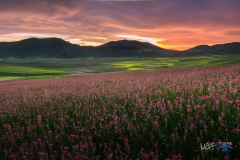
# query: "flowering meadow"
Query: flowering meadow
{"points": [[149, 115]]}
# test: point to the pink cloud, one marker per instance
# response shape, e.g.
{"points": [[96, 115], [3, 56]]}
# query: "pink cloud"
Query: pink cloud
{"points": [[183, 23]]}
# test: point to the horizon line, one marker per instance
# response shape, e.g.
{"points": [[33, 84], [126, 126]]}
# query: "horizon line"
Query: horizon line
{"points": [[115, 41]]}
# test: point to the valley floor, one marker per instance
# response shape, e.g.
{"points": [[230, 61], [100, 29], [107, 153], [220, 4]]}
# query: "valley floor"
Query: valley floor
{"points": [[50, 68]]}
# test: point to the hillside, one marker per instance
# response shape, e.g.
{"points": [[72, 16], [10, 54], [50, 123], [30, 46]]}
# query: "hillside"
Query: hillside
{"points": [[58, 48], [227, 48], [42, 48], [128, 48]]}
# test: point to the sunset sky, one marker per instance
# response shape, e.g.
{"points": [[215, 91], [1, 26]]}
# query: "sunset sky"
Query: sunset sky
{"points": [[171, 24]]}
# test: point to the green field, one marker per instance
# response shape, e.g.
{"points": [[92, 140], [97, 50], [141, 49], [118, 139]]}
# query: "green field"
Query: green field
{"points": [[157, 63], [48, 68]]}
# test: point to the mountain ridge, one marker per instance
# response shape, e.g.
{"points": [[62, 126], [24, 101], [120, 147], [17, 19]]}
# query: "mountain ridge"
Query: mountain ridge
{"points": [[59, 48], [226, 48]]}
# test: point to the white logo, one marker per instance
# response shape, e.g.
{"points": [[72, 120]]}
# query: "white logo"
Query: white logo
{"points": [[208, 146]]}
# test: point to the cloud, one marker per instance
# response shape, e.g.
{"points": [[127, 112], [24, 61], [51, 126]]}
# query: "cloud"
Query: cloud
{"points": [[143, 39], [233, 33], [181, 23]]}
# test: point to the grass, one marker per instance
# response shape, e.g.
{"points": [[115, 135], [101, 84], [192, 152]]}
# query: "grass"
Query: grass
{"points": [[15, 70], [47, 68], [172, 62], [5, 78]]}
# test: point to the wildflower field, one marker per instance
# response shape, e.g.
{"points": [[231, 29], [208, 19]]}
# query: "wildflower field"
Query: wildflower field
{"points": [[162, 114]]}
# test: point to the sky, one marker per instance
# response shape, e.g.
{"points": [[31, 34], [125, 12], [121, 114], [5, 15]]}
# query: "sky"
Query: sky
{"points": [[170, 24]]}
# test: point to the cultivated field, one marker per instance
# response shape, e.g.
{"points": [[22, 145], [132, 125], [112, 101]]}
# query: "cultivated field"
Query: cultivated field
{"points": [[162, 114], [48, 68]]}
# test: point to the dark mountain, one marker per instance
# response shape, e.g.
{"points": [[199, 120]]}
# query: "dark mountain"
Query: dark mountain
{"points": [[127, 44], [58, 48], [228, 48], [126, 48], [42, 48], [200, 48]]}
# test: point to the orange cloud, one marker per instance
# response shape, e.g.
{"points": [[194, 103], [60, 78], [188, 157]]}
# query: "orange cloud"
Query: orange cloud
{"points": [[181, 24]]}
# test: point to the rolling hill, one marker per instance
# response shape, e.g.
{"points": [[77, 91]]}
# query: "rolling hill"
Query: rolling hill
{"points": [[227, 48], [41, 48], [126, 48], [58, 48]]}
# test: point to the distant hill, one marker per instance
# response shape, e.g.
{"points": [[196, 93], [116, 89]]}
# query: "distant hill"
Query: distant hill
{"points": [[227, 48], [200, 48], [58, 48], [41, 48], [126, 48]]}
